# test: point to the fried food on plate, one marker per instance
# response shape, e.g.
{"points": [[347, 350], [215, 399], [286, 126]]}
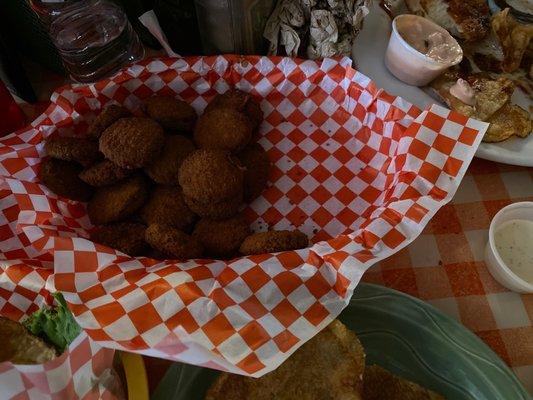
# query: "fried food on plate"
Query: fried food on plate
{"points": [[210, 176], [114, 203], [223, 128], [215, 210], [511, 120], [172, 114], [221, 238], [21, 347], [466, 19], [173, 242], [164, 169], [80, 150], [380, 384], [167, 206], [61, 177], [127, 237], [104, 173], [239, 101], [132, 142], [330, 366], [257, 166], [514, 39], [273, 241], [106, 117]]}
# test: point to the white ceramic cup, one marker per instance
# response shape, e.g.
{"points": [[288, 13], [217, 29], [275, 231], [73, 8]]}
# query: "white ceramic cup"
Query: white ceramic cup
{"points": [[408, 64], [495, 264]]}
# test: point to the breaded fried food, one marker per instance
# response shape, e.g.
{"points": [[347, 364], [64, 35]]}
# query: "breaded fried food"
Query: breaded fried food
{"points": [[379, 384], [80, 150], [218, 211], [21, 347], [257, 167], [132, 142], [173, 242], [221, 238], [273, 241], [239, 101], [167, 206], [174, 115], [164, 169], [210, 176], [61, 177], [106, 117], [127, 237], [223, 128], [330, 366], [114, 203], [104, 173], [510, 120]]}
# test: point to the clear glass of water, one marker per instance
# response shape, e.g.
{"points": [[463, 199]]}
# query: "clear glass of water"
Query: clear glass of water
{"points": [[94, 39]]}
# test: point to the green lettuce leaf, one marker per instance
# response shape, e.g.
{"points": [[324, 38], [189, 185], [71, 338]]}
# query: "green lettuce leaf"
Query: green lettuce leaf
{"points": [[55, 325]]}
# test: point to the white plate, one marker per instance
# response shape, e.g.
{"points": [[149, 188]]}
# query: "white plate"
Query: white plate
{"points": [[368, 51]]}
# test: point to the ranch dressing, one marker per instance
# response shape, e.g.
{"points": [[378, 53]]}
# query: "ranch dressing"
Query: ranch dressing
{"points": [[514, 243]]}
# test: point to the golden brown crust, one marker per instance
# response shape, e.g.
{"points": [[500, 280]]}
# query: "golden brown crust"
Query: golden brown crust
{"points": [[114, 203], [511, 120], [210, 176], [106, 117], [239, 101], [328, 367], [172, 114], [61, 177], [173, 242], [223, 128], [127, 237], [473, 17], [221, 238], [167, 206], [380, 384], [80, 150], [132, 142], [273, 241], [257, 167], [165, 168], [21, 347], [215, 210], [104, 173]]}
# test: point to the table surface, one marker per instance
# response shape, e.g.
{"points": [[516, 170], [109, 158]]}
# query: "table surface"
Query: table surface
{"points": [[444, 266]]}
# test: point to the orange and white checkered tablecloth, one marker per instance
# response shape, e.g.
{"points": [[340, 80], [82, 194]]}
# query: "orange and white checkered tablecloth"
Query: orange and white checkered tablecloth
{"points": [[444, 266]]}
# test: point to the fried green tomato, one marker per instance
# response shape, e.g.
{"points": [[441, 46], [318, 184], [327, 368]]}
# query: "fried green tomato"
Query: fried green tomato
{"points": [[61, 177], [257, 166], [172, 114], [239, 101], [221, 238], [211, 176], [215, 210], [132, 142], [173, 242], [273, 241], [164, 169], [106, 117], [167, 206], [127, 237], [104, 173], [223, 128], [80, 150], [117, 202]]}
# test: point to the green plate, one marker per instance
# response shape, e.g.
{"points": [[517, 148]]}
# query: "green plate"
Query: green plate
{"points": [[404, 335]]}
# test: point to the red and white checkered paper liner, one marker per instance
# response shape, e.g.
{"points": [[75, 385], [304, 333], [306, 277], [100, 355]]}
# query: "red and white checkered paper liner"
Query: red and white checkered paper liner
{"points": [[83, 371], [358, 170]]}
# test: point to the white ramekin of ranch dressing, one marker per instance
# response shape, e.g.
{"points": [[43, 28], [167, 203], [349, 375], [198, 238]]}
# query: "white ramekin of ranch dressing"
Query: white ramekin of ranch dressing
{"points": [[419, 50], [509, 252]]}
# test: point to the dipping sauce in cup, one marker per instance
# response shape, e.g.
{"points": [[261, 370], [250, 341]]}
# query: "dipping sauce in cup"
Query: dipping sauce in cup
{"points": [[419, 50], [509, 251]]}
